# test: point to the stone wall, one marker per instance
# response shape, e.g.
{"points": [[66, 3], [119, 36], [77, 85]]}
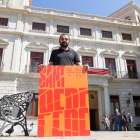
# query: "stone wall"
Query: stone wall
{"points": [[122, 88]]}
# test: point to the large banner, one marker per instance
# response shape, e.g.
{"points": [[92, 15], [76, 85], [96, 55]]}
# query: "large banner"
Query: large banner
{"points": [[63, 107]]}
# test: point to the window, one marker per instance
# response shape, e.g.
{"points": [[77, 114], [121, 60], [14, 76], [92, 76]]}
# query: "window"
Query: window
{"points": [[84, 31], [106, 34], [91, 96], [132, 70], [39, 26], [87, 60], [110, 64], [4, 21], [127, 18], [36, 60], [114, 104], [1, 51], [62, 29], [126, 37], [33, 106], [136, 100]]}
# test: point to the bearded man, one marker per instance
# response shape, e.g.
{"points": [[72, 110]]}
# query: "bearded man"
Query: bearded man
{"points": [[64, 55]]}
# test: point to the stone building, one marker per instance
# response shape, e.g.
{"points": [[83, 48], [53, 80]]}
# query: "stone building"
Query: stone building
{"points": [[29, 34]]}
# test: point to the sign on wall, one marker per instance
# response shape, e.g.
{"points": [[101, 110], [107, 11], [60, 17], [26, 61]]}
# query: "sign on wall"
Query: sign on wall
{"points": [[63, 107]]}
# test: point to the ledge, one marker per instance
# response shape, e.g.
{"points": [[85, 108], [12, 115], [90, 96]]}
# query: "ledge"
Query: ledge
{"points": [[85, 36], [124, 80], [99, 76], [32, 75], [28, 117], [111, 39], [4, 26], [38, 31], [58, 33], [127, 41]]}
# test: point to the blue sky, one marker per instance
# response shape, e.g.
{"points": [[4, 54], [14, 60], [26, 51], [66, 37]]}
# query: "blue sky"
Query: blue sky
{"points": [[94, 7]]}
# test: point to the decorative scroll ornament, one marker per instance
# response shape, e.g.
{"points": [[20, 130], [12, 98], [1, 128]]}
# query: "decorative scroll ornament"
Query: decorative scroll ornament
{"points": [[13, 110], [6, 3]]}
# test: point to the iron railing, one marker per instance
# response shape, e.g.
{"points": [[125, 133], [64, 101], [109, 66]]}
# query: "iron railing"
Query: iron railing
{"points": [[32, 69], [1, 66], [114, 74], [124, 74]]}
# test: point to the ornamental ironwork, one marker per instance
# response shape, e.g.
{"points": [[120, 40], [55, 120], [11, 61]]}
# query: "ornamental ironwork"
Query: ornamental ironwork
{"points": [[13, 110]]}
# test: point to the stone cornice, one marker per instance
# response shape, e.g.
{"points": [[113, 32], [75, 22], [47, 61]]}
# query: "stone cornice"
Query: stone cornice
{"points": [[124, 9], [44, 36], [93, 19], [121, 80], [14, 10], [99, 76]]}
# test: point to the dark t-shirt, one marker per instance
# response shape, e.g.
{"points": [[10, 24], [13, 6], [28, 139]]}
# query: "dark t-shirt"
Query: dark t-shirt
{"points": [[64, 57]]}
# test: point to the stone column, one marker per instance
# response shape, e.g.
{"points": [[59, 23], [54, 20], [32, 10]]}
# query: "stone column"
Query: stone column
{"points": [[107, 100], [50, 42], [26, 25], [16, 54], [100, 109], [19, 22], [24, 56], [51, 27], [98, 56]]}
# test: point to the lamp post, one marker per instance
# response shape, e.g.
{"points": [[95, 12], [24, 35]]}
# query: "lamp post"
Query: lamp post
{"points": [[128, 100]]}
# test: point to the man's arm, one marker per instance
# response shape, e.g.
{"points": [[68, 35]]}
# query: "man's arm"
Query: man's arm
{"points": [[78, 64], [120, 116], [131, 119], [51, 63], [86, 67]]}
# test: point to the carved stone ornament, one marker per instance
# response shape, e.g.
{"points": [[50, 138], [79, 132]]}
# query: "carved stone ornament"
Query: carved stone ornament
{"points": [[110, 52], [131, 54], [37, 45], [87, 50]]}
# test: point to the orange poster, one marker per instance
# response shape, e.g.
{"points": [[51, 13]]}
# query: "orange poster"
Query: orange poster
{"points": [[63, 108]]}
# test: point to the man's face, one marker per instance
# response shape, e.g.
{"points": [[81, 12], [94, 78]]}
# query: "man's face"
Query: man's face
{"points": [[64, 41], [128, 114], [116, 111]]}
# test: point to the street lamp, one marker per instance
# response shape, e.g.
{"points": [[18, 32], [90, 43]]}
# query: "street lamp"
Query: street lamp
{"points": [[128, 100]]}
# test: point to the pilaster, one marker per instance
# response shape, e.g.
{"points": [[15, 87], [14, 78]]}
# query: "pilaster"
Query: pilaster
{"points": [[107, 100]]}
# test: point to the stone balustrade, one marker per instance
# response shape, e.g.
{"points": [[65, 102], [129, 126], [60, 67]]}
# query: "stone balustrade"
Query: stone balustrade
{"points": [[81, 16]]}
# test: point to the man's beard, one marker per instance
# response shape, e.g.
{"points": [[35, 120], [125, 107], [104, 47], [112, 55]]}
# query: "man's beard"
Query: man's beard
{"points": [[64, 45]]}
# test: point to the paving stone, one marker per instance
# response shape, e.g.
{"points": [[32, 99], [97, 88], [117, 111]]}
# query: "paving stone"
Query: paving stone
{"points": [[98, 135]]}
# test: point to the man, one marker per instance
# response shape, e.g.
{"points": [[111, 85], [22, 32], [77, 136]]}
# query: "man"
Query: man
{"points": [[112, 123], [117, 120], [64, 55], [130, 122]]}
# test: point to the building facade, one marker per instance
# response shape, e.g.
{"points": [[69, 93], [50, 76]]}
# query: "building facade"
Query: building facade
{"points": [[29, 34]]}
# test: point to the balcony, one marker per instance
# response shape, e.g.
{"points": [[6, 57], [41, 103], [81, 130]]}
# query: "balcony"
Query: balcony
{"points": [[98, 73], [93, 70], [32, 71], [1, 67], [124, 74]]}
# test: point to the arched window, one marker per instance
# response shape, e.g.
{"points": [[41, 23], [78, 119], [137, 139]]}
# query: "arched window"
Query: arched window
{"points": [[91, 96], [127, 18]]}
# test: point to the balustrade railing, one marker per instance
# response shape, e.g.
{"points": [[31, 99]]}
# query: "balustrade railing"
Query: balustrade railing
{"points": [[82, 16], [124, 74], [32, 69], [92, 70]]}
